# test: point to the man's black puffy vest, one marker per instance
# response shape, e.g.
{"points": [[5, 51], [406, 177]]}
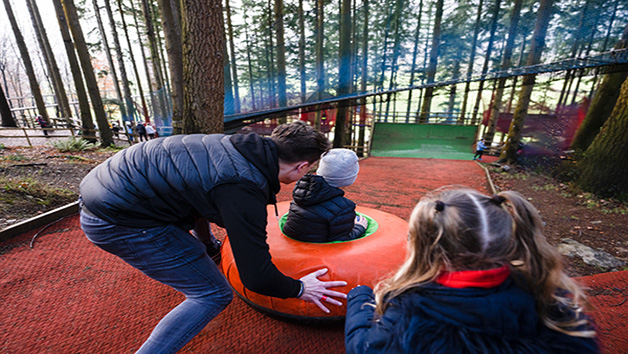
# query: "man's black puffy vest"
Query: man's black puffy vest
{"points": [[167, 180]]}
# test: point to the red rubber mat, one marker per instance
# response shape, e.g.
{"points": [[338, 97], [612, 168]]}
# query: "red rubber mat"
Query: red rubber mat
{"points": [[67, 296]]}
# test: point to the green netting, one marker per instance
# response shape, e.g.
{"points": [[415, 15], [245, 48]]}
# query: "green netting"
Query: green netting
{"points": [[371, 228], [454, 142]]}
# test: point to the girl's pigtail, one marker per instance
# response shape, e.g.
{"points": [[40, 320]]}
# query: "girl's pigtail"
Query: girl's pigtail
{"points": [[540, 268]]}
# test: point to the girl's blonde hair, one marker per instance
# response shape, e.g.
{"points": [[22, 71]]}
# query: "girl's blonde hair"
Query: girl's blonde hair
{"points": [[454, 229]]}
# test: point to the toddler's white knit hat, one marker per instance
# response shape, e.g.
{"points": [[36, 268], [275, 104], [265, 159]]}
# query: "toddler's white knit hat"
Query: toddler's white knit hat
{"points": [[339, 167]]}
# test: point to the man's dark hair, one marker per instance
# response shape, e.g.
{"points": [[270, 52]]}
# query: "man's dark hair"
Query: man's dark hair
{"points": [[297, 141]]}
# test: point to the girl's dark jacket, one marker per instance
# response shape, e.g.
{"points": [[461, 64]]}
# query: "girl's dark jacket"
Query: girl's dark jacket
{"points": [[320, 213], [228, 180], [439, 319]]}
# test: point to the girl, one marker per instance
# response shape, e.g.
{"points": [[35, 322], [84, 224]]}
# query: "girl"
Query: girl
{"points": [[479, 277]]}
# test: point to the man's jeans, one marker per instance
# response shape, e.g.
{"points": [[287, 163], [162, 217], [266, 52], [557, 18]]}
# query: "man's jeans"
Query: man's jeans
{"points": [[172, 256]]}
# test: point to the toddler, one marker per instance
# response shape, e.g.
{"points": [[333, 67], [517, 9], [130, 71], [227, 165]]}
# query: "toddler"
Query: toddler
{"points": [[319, 211]]}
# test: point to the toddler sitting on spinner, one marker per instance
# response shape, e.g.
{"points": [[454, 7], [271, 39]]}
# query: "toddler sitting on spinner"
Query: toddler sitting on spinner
{"points": [[319, 211]]}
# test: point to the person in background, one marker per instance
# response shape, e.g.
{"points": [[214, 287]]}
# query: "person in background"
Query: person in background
{"points": [[141, 204], [115, 129], [479, 277], [141, 132], [479, 150], [150, 131], [43, 124], [319, 211]]}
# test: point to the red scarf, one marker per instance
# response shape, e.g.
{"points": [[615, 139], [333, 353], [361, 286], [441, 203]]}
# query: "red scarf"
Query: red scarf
{"points": [[474, 278]]}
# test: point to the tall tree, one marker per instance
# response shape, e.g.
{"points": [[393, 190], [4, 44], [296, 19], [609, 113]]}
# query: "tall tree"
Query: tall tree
{"points": [[233, 58], [149, 80], [569, 76], [496, 105], [302, 73], [467, 86], [415, 52], [509, 153], [5, 111], [106, 137], [281, 55], [487, 60], [160, 110], [431, 71], [250, 64], [50, 60], [603, 102], [363, 77], [85, 112], [202, 29], [112, 67], [320, 57], [397, 23], [604, 170], [128, 108], [28, 65], [344, 72], [172, 35], [229, 101]]}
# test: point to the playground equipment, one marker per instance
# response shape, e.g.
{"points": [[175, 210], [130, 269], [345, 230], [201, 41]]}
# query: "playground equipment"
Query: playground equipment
{"points": [[363, 261]]}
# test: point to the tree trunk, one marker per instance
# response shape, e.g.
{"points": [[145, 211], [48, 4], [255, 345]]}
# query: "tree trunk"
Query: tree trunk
{"points": [[281, 57], [51, 62], [487, 60], [302, 73], [467, 86], [128, 100], [5, 111], [506, 63], [320, 61], [602, 104], [452, 90], [149, 79], [202, 29], [88, 71], [85, 112], [544, 14], [604, 170], [414, 55], [135, 71], [431, 70], [234, 68], [364, 78], [112, 67], [393, 66], [28, 65], [229, 102], [174, 51], [160, 110], [250, 66], [344, 72]]}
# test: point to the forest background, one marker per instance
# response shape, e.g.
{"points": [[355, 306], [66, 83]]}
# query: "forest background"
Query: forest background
{"points": [[196, 64]]}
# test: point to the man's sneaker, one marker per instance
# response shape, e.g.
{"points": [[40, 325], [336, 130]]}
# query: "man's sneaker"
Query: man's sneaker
{"points": [[214, 252]]}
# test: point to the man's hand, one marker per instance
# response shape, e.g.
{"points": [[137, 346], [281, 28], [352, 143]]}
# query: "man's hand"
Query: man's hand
{"points": [[317, 292]]}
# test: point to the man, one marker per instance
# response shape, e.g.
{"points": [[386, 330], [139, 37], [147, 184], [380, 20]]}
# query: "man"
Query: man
{"points": [[141, 203]]}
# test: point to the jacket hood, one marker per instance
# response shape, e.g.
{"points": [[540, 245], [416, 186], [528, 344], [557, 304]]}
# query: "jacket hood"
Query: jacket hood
{"points": [[262, 153], [313, 189]]}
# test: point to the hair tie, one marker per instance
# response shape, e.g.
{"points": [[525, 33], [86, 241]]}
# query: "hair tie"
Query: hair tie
{"points": [[440, 206], [498, 199]]}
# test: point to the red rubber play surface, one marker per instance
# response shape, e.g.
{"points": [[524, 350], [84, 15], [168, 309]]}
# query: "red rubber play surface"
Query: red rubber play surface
{"points": [[67, 296]]}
